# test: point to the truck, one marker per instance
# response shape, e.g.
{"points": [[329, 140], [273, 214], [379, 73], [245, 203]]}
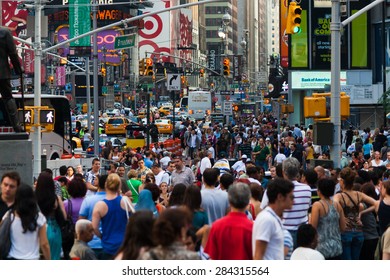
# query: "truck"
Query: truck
{"points": [[199, 103]]}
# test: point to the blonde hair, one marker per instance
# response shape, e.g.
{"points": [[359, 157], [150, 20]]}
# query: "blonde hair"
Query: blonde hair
{"points": [[132, 173], [113, 182]]}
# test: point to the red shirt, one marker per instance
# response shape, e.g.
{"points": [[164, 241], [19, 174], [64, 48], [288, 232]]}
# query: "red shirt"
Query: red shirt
{"points": [[231, 238]]}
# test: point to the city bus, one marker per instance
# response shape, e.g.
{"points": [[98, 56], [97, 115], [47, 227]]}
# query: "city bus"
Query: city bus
{"points": [[59, 141]]}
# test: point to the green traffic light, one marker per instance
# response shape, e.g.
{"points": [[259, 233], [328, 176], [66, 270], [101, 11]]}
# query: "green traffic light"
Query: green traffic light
{"points": [[297, 30]]}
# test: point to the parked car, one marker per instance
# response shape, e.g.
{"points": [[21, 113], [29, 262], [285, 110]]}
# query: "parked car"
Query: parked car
{"points": [[116, 126]]}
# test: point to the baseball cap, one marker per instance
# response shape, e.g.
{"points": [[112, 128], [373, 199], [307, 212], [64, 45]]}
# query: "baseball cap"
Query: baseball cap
{"points": [[244, 156], [267, 139]]}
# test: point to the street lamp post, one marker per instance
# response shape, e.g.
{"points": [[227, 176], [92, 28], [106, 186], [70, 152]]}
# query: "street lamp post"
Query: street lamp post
{"points": [[223, 34]]}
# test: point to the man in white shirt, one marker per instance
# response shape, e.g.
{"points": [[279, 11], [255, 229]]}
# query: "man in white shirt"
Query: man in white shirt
{"points": [[165, 160], [240, 165], [205, 162], [268, 229], [158, 173]]}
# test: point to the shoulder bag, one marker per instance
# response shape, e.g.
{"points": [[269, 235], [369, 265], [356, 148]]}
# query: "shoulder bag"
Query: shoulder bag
{"points": [[5, 235]]}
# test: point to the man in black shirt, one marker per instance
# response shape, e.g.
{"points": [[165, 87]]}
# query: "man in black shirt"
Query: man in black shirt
{"points": [[10, 182]]}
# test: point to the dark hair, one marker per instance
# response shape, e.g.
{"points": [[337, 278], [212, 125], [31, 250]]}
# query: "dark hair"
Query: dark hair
{"points": [[279, 170], [326, 187], [192, 198], [256, 191], [311, 176], [348, 176], [150, 178], [177, 196], [226, 180], [102, 181], [154, 189], [78, 176], [63, 169], [47, 198], [138, 234], [306, 235], [63, 179], [27, 208], [45, 193], [278, 186], [369, 189], [210, 176], [251, 170], [77, 188], [12, 175], [168, 226]]}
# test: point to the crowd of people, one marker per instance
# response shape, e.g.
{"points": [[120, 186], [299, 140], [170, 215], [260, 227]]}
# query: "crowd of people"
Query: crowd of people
{"points": [[240, 182]]}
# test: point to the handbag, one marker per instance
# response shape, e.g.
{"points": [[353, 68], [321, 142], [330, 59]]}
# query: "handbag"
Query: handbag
{"points": [[5, 235], [68, 230]]}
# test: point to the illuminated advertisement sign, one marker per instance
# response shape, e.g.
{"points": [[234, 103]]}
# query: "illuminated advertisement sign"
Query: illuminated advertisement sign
{"points": [[105, 38]]}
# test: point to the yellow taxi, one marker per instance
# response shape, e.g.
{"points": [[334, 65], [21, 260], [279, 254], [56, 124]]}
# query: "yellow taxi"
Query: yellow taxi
{"points": [[164, 126], [164, 111], [116, 126], [142, 113]]}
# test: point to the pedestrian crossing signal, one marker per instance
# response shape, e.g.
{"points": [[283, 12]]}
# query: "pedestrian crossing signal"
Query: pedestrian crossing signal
{"points": [[47, 116]]}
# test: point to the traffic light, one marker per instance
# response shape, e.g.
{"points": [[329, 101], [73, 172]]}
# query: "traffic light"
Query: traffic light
{"points": [[149, 67], [141, 66], [201, 73], [226, 66], [314, 107], [104, 72], [51, 80], [344, 105], [294, 19]]}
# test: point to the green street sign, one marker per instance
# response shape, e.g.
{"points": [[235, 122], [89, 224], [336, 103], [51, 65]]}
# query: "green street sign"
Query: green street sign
{"points": [[104, 90], [123, 42], [235, 86]]}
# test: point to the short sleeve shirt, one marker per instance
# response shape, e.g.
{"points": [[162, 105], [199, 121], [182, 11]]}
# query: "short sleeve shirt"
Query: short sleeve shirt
{"points": [[268, 227]]}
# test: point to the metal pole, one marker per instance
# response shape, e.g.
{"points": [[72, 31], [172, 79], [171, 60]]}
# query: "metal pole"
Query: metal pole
{"points": [[173, 113], [36, 132], [95, 82], [384, 64], [88, 83], [335, 28]]}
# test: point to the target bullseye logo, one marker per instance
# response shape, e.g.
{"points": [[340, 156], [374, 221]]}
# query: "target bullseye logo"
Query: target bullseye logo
{"points": [[153, 27]]}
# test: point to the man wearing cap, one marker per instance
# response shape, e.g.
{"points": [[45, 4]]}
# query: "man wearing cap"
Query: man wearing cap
{"points": [[240, 165]]}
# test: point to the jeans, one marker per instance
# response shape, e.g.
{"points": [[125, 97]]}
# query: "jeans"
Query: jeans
{"points": [[352, 244]]}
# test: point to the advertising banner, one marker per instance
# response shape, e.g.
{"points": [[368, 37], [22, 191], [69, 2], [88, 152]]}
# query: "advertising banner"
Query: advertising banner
{"points": [[80, 20]]}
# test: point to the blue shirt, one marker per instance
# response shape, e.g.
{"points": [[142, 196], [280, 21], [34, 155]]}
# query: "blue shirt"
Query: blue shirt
{"points": [[86, 210], [113, 226], [148, 162]]}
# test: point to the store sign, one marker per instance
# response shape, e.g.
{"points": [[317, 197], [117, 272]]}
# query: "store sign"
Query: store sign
{"points": [[313, 80]]}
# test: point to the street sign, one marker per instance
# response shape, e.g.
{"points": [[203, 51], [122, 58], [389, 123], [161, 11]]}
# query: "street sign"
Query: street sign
{"points": [[226, 92], [104, 90], [123, 42], [227, 108], [234, 85], [174, 82]]}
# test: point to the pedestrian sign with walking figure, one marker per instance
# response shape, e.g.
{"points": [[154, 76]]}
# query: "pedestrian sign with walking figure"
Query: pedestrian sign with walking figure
{"points": [[47, 116]]}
